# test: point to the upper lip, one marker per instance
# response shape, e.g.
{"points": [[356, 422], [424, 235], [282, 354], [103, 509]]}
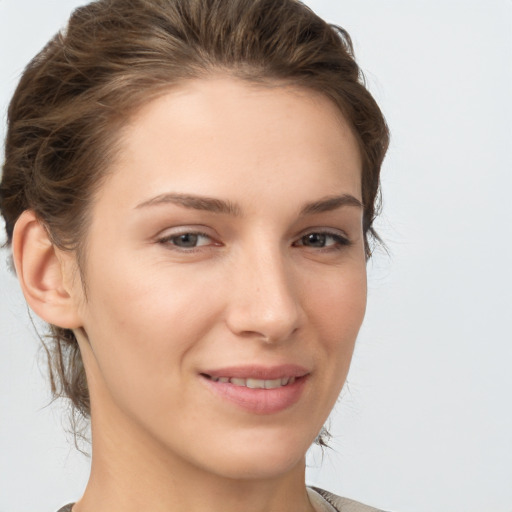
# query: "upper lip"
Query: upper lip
{"points": [[259, 372]]}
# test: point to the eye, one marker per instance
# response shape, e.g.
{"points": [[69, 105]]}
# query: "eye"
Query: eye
{"points": [[189, 240], [322, 240]]}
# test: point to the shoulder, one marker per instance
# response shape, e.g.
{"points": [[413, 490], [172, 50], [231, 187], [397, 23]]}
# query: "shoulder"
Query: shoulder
{"points": [[343, 504], [67, 508]]}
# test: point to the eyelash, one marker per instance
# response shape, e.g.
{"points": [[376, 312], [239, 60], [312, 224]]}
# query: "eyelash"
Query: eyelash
{"points": [[168, 239], [340, 241]]}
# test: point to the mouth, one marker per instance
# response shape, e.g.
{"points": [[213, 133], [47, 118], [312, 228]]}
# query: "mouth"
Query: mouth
{"points": [[254, 383], [258, 389]]}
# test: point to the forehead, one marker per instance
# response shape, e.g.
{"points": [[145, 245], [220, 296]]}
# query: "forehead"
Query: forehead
{"points": [[222, 135]]}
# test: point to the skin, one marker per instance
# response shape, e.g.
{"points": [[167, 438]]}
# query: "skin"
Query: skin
{"points": [[259, 288]]}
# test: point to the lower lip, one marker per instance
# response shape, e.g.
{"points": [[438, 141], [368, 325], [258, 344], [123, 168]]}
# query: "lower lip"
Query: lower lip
{"points": [[259, 401]]}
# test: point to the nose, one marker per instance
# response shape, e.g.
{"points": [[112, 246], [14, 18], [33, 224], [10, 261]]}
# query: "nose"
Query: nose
{"points": [[264, 301]]}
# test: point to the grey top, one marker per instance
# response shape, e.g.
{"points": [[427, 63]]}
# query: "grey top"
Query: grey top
{"points": [[323, 501], [339, 504]]}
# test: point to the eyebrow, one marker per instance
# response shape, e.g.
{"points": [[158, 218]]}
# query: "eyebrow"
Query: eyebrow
{"points": [[215, 205], [330, 203], [193, 202]]}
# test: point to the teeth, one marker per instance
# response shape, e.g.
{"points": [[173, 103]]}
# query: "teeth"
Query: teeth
{"points": [[273, 384], [256, 383]]}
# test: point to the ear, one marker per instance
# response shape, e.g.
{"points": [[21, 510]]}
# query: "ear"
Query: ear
{"points": [[45, 273]]}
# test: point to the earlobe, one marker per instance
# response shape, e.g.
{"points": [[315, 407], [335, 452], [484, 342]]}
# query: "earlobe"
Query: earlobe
{"points": [[43, 274]]}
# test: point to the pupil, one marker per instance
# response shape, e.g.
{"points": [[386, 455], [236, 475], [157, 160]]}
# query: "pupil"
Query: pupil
{"points": [[316, 240], [187, 240]]}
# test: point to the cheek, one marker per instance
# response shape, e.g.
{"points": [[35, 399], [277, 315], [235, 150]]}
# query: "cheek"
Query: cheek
{"points": [[336, 308], [140, 330], [136, 322], [337, 303], [141, 296], [144, 317]]}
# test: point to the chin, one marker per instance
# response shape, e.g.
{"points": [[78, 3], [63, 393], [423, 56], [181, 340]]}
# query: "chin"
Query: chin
{"points": [[263, 457], [251, 468]]}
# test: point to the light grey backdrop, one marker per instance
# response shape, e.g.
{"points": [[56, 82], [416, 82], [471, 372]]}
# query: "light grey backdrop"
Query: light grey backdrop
{"points": [[426, 421]]}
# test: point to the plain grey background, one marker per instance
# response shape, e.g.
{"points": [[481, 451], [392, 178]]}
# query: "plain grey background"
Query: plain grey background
{"points": [[425, 423]]}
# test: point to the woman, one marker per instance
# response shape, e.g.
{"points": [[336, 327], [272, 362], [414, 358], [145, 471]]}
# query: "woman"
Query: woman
{"points": [[189, 190]]}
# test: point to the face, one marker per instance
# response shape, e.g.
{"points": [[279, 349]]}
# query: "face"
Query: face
{"points": [[225, 276]]}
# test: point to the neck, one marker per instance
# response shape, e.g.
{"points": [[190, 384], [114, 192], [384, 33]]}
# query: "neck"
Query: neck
{"points": [[132, 473]]}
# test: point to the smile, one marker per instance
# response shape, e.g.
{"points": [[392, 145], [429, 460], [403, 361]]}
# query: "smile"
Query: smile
{"points": [[258, 389], [255, 383]]}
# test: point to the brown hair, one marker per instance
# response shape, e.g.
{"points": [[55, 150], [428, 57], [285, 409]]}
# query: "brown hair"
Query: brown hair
{"points": [[116, 55]]}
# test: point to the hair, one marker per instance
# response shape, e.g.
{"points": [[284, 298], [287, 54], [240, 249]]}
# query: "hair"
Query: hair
{"points": [[114, 56]]}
